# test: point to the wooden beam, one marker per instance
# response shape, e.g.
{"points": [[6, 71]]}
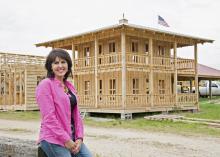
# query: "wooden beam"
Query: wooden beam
{"points": [[123, 51], [151, 77], [196, 76], [96, 72], [175, 72]]}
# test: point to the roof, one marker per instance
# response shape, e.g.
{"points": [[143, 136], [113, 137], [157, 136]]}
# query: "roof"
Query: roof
{"points": [[205, 72], [120, 25]]}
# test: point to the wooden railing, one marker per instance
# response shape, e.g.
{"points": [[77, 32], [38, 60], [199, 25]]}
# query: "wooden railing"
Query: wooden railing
{"points": [[163, 62], [87, 101], [134, 59], [186, 98], [163, 99], [84, 63], [109, 59], [185, 63], [110, 101], [137, 100]]}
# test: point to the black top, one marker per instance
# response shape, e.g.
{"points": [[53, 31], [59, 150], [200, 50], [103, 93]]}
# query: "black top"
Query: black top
{"points": [[73, 102]]}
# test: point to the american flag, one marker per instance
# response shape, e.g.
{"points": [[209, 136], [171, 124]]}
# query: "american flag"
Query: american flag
{"points": [[161, 21]]}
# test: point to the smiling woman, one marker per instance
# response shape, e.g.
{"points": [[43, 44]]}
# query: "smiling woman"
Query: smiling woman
{"points": [[61, 131]]}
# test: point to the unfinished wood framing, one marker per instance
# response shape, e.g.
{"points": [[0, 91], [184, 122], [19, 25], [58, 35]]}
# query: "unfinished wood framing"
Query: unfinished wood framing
{"points": [[129, 68], [19, 76]]}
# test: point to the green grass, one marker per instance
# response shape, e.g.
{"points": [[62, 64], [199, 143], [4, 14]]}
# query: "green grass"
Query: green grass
{"points": [[158, 126], [207, 111], [21, 115]]}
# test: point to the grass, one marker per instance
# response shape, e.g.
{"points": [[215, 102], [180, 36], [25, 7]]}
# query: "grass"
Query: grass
{"points": [[207, 111], [158, 126], [20, 115]]}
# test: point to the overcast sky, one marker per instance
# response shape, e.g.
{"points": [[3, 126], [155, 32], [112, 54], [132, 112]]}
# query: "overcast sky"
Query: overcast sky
{"points": [[24, 23]]}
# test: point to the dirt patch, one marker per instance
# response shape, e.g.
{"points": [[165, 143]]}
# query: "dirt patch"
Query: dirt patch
{"points": [[112, 142]]}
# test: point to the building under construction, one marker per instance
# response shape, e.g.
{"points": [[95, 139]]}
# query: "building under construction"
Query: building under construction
{"points": [[20, 75]]}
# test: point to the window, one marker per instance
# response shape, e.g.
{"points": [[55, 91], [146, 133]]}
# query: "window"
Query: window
{"points": [[146, 49], [135, 85], [100, 49], [147, 86], [100, 53], [100, 86], [161, 87], [134, 49], [112, 89], [86, 55], [112, 47], [87, 88], [100, 90], [112, 58], [161, 51], [134, 46], [112, 86]]}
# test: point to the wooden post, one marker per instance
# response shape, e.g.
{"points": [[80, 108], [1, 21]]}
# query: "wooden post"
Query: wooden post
{"points": [[151, 77], [210, 89], [123, 53], [14, 89], [96, 72], [25, 88], [20, 84], [73, 61], [196, 76], [175, 72], [190, 86]]}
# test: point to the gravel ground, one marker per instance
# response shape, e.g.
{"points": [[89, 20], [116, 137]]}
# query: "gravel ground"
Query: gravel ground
{"points": [[114, 142]]}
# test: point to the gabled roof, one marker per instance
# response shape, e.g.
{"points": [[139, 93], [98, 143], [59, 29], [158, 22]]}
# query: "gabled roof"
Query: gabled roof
{"points": [[205, 72], [126, 25]]}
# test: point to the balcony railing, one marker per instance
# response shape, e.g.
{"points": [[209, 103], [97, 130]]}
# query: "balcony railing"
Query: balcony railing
{"points": [[185, 63], [133, 59], [110, 59], [163, 62], [84, 63]]}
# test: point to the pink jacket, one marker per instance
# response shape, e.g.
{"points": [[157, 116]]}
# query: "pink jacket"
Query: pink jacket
{"points": [[55, 112]]}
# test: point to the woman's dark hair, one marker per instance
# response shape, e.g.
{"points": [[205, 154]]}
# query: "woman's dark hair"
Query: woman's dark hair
{"points": [[52, 57]]}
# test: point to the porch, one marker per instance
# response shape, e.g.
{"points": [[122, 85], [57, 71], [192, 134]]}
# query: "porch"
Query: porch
{"points": [[137, 103]]}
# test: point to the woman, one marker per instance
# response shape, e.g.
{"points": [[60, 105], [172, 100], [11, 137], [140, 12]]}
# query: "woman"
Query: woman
{"points": [[61, 132]]}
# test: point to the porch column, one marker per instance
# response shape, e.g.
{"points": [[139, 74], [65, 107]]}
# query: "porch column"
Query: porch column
{"points": [[190, 86], [175, 73], [210, 89], [73, 61], [196, 76], [151, 77], [123, 70], [96, 72]]}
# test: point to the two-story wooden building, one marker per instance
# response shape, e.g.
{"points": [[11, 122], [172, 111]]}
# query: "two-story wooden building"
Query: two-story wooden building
{"points": [[128, 68]]}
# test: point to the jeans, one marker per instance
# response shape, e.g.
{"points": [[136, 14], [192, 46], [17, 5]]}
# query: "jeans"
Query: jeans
{"points": [[54, 150]]}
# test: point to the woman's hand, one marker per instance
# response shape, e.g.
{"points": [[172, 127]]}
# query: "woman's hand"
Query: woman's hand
{"points": [[76, 149], [70, 144]]}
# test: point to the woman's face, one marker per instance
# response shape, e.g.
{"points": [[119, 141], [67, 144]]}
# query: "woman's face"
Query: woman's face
{"points": [[59, 68]]}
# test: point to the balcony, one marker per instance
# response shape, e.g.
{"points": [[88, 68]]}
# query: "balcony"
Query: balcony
{"points": [[134, 60]]}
